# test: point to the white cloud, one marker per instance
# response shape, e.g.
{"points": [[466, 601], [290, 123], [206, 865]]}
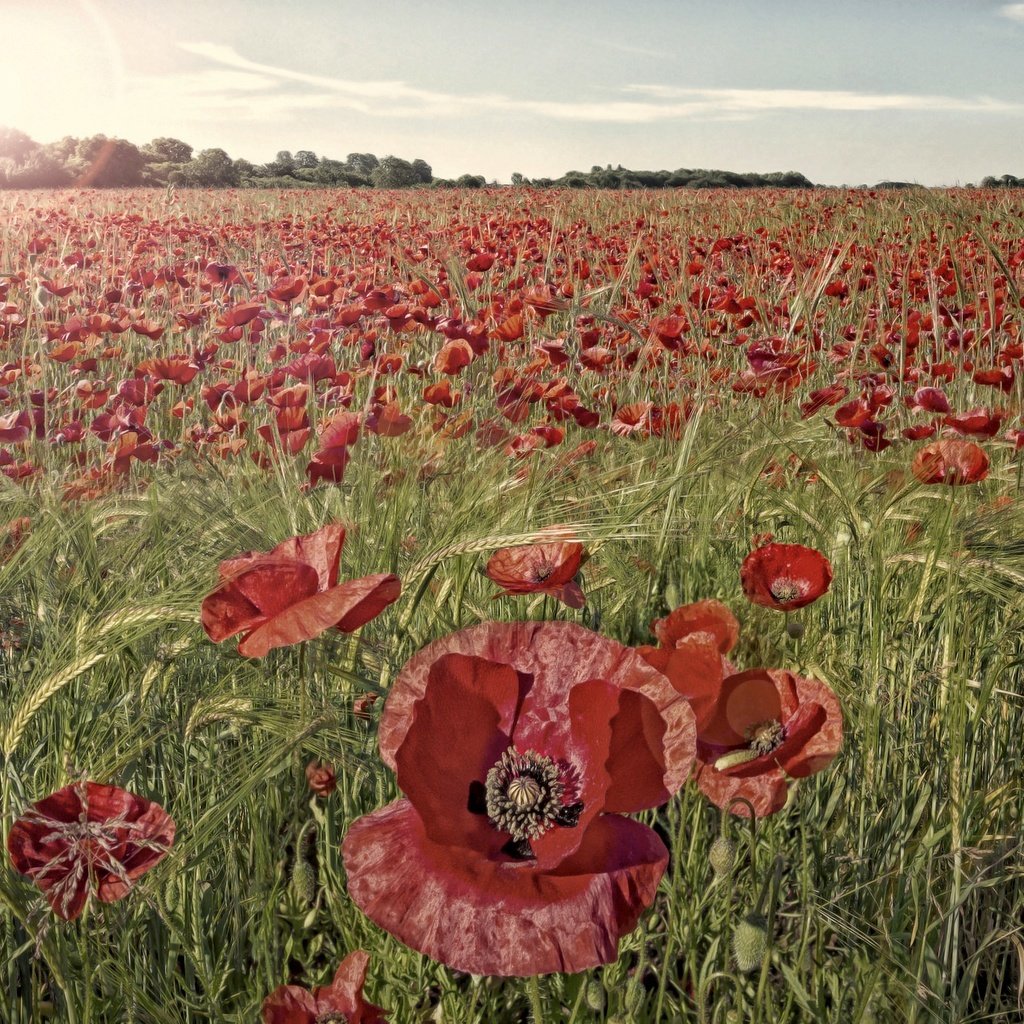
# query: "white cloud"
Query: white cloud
{"points": [[238, 78], [1015, 12]]}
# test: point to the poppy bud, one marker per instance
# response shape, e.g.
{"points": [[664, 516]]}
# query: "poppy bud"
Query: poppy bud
{"points": [[594, 995], [672, 595], [321, 778], [750, 943], [722, 856], [795, 629]]}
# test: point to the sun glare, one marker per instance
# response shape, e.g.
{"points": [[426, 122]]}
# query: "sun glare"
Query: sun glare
{"points": [[63, 71]]}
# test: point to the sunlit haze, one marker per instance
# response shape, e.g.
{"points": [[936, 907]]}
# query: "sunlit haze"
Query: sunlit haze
{"points": [[845, 92]]}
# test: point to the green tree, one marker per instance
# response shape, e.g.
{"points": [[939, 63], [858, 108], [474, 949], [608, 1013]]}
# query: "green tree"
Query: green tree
{"points": [[361, 163], [16, 145], [107, 163], [168, 151], [212, 168], [424, 172], [306, 158], [394, 172]]}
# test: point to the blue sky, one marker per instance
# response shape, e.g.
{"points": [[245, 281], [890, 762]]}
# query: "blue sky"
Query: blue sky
{"points": [[852, 91]]}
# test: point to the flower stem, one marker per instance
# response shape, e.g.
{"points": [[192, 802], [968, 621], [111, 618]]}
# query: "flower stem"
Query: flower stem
{"points": [[536, 1006]]}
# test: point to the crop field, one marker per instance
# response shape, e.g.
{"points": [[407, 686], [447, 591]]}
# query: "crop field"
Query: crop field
{"points": [[673, 667]]}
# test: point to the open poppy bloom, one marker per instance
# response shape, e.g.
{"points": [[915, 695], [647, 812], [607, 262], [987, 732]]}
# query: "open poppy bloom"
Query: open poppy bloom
{"points": [[88, 838], [767, 725], [341, 1002], [292, 594], [785, 576], [950, 462], [520, 746], [547, 568]]}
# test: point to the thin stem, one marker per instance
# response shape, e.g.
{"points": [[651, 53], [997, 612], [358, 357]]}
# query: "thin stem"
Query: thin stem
{"points": [[536, 1006]]}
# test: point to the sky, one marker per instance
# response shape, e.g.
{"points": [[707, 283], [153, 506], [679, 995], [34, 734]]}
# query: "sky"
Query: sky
{"points": [[845, 91]]}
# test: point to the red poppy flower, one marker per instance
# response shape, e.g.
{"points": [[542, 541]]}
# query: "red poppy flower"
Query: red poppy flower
{"points": [[341, 1002], [768, 725], [520, 746], [950, 462], [291, 594], [785, 576], [540, 569], [88, 838]]}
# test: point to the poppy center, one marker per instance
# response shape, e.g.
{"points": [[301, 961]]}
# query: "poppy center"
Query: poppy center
{"points": [[785, 589], [332, 1017], [542, 572], [524, 794], [765, 737]]}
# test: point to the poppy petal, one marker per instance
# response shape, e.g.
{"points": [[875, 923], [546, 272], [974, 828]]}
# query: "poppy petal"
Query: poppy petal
{"points": [[461, 727], [766, 792], [369, 595], [289, 1004], [321, 550], [709, 616], [310, 617], [695, 669], [274, 586], [503, 918]]}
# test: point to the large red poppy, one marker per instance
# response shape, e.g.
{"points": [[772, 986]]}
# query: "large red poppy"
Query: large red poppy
{"points": [[520, 746], [88, 838], [767, 725], [950, 462], [785, 576], [341, 1002], [548, 568], [291, 594]]}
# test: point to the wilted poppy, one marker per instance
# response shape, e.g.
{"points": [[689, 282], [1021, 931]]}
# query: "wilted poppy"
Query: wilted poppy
{"points": [[291, 594], [785, 576], [950, 462], [88, 838], [767, 725], [520, 746], [341, 1002], [547, 568]]}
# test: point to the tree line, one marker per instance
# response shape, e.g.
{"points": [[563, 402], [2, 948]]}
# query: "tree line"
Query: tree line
{"points": [[101, 162]]}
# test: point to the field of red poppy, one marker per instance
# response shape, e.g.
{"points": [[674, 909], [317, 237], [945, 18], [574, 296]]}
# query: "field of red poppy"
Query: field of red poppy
{"points": [[478, 607]]}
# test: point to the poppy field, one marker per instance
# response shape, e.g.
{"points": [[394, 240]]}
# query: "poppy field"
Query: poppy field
{"points": [[502, 605]]}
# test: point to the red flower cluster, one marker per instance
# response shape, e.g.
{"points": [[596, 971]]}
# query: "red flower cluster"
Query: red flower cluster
{"points": [[88, 838], [520, 746], [755, 729], [341, 1002], [291, 594]]}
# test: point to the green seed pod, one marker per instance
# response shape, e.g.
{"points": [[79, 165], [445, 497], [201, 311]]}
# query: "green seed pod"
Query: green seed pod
{"points": [[594, 995], [722, 856], [750, 943], [304, 880], [795, 629]]}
